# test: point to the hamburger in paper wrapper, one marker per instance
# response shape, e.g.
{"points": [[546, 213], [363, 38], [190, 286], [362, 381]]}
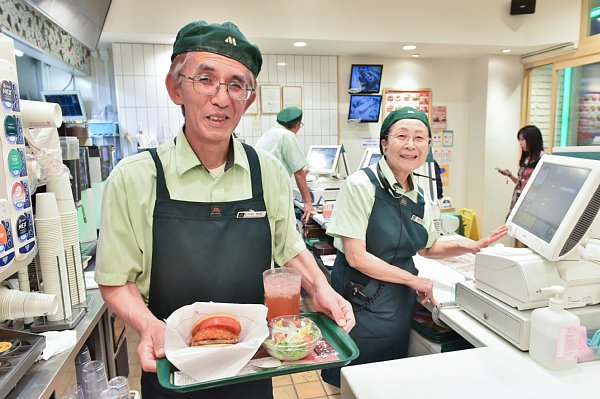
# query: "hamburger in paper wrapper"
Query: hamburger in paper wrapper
{"points": [[207, 363]]}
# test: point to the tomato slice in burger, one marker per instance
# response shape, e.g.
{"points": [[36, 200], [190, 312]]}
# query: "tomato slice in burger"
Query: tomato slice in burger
{"points": [[223, 322]]}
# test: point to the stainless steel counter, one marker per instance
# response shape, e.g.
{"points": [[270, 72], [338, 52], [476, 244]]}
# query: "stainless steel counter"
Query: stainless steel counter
{"points": [[46, 377]]}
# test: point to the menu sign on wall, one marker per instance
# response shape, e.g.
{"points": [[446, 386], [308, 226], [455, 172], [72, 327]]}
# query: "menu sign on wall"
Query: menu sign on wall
{"points": [[419, 99]]}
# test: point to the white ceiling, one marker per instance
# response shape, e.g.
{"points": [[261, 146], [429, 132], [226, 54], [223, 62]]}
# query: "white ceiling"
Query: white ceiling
{"points": [[439, 28]]}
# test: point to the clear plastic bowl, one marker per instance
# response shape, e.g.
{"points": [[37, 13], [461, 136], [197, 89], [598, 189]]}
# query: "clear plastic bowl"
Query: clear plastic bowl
{"points": [[291, 337]]}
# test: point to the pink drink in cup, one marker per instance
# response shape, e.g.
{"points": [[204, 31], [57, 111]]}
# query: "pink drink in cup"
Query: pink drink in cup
{"points": [[282, 292]]}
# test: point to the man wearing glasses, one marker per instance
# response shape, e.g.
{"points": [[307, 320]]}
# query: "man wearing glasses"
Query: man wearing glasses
{"points": [[200, 218], [281, 141], [380, 221]]}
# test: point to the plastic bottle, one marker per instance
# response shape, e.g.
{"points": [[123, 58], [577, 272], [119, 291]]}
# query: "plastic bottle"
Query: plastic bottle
{"points": [[554, 333]]}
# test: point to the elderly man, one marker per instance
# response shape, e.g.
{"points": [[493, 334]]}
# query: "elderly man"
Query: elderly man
{"points": [[281, 141], [174, 230]]}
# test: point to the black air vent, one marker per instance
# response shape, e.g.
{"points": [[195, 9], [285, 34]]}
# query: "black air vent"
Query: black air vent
{"points": [[583, 224]]}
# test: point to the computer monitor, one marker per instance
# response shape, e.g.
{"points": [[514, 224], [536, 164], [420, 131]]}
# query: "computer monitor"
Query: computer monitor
{"points": [[323, 159], [365, 78], [70, 103], [370, 156], [558, 207]]}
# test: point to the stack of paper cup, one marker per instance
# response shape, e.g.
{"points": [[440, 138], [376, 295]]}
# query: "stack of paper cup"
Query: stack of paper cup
{"points": [[51, 254], [70, 234], [15, 304]]}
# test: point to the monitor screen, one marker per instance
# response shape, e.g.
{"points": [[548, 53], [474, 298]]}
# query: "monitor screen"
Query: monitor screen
{"points": [[558, 205], [365, 78], [364, 108], [323, 159], [70, 104], [371, 156]]}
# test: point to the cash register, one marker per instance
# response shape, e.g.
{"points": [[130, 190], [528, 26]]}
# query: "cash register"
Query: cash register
{"points": [[323, 180], [556, 217]]}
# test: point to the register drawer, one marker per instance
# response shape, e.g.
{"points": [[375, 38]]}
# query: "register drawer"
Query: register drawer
{"points": [[506, 325]]}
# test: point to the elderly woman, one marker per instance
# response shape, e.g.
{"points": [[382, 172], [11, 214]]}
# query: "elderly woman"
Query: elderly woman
{"points": [[380, 221]]}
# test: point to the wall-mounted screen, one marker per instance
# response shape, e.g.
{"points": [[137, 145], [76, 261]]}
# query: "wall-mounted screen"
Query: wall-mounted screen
{"points": [[365, 78], [70, 104], [364, 108]]}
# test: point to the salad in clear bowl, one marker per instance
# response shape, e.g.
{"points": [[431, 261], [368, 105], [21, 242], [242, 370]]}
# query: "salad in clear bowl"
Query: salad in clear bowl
{"points": [[291, 337]]}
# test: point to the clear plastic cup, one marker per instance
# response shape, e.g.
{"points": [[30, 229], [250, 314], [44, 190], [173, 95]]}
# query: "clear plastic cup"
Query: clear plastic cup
{"points": [[122, 384], [109, 393], [82, 358], [94, 378], [282, 291]]}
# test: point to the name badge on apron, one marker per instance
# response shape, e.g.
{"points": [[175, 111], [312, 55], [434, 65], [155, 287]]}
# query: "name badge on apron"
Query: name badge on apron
{"points": [[251, 214], [416, 219]]}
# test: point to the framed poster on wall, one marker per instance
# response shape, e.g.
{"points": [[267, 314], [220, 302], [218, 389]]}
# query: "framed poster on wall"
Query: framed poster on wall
{"points": [[292, 96], [418, 98], [270, 99]]}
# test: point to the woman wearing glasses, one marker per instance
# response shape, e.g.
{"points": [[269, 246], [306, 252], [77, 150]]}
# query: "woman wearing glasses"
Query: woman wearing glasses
{"points": [[380, 221]]}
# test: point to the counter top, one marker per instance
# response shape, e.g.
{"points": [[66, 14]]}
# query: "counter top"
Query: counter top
{"points": [[41, 380], [493, 369]]}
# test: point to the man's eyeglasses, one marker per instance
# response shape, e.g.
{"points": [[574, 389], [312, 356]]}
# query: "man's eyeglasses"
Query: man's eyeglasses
{"points": [[209, 86], [404, 138]]}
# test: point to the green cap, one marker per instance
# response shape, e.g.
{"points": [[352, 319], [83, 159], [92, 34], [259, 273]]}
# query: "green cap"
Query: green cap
{"points": [[289, 115], [224, 39], [403, 113]]}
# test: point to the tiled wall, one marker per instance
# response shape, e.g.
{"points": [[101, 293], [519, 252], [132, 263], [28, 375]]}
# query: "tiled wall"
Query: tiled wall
{"points": [[540, 101], [143, 102]]}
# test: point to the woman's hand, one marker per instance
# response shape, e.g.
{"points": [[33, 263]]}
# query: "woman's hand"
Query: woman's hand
{"points": [[152, 345], [329, 302], [504, 172], [494, 236], [424, 289]]}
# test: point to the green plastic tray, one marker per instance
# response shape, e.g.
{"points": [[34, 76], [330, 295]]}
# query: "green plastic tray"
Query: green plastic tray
{"points": [[333, 334]]}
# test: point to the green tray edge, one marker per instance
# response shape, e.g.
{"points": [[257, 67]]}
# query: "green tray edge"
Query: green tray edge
{"points": [[335, 335]]}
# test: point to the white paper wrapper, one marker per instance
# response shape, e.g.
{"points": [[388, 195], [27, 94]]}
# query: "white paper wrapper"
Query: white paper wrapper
{"points": [[206, 364]]}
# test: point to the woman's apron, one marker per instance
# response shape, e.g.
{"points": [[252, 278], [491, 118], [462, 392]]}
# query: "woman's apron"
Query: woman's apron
{"points": [[203, 252], [383, 310]]}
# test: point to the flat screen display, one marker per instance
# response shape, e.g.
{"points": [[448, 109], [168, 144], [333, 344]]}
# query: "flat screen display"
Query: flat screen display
{"points": [[70, 104], [548, 199], [365, 78], [323, 159], [364, 108]]}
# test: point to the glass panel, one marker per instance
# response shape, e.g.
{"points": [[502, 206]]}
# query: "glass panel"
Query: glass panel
{"points": [[578, 106], [540, 96], [594, 17]]}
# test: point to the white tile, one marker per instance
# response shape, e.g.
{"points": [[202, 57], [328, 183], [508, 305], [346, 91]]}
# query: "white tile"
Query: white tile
{"points": [[162, 97], [163, 121], [271, 66], [308, 121], [151, 91], [119, 91], [162, 56], [142, 120], [324, 60], [333, 123], [325, 102], [316, 95], [316, 68], [126, 59], [307, 69], [281, 74], [290, 69], [153, 121], [117, 62], [325, 127], [131, 127], [174, 123], [317, 123], [128, 91], [333, 96], [307, 96], [140, 91], [138, 59], [149, 60], [298, 68], [333, 69], [122, 119]]}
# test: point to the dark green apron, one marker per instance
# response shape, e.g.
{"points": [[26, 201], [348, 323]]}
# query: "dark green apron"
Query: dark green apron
{"points": [[202, 252], [383, 310]]}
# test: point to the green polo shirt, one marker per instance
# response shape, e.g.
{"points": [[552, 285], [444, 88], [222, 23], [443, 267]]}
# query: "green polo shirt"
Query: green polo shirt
{"points": [[282, 143], [355, 200], [125, 243]]}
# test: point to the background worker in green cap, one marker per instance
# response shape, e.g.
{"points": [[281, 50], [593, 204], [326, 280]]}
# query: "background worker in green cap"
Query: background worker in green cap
{"points": [[380, 221], [175, 227], [281, 141]]}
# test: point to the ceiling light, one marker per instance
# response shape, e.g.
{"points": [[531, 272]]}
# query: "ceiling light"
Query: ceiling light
{"points": [[281, 63], [409, 47], [18, 53], [415, 55], [300, 44], [506, 50]]}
